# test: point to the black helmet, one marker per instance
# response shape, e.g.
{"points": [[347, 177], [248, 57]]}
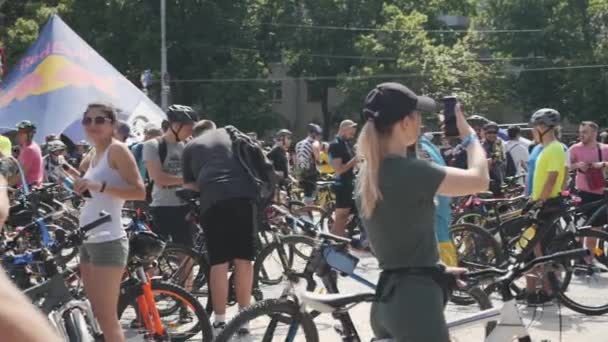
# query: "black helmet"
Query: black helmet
{"points": [[284, 133], [146, 246], [181, 114], [55, 145], [26, 124], [546, 116], [490, 126], [314, 128]]}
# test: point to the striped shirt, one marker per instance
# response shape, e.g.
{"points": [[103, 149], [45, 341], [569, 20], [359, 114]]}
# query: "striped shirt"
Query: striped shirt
{"points": [[305, 159]]}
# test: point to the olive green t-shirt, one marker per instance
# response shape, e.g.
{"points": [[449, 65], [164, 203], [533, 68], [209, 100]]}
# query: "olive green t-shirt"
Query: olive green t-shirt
{"points": [[400, 229]]}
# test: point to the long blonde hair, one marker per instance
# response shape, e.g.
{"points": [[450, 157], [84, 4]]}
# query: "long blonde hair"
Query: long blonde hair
{"points": [[370, 148]]}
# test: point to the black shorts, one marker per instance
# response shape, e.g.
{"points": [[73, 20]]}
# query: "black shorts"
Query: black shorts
{"points": [[344, 196], [170, 223], [308, 182], [229, 227], [589, 197]]}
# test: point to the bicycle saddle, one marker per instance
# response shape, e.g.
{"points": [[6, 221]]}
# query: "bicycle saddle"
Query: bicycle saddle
{"points": [[485, 195], [187, 194], [327, 303]]}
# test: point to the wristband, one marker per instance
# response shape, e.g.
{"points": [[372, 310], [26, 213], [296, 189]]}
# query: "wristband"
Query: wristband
{"points": [[103, 187], [468, 140]]}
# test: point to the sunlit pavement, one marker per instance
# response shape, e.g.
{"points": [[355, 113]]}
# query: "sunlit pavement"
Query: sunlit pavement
{"points": [[543, 323]]}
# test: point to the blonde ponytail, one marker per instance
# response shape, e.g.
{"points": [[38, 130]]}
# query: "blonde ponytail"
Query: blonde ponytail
{"points": [[370, 149]]}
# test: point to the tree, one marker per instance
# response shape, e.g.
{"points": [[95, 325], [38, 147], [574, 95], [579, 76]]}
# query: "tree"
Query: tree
{"points": [[571, 34], [419, 62]]}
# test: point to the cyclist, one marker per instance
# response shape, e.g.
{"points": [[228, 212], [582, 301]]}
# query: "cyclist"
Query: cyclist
{"points": [[343, 161], [51, 161], [307, 157], [588, 158], [517, 149], [548, 179], [227, 195], [163, 159], [82, 148], [122, 131], [496, 157], [278, 154], [30, 155], [112, 178], [443, 213], [395, 196], [151, 131]]}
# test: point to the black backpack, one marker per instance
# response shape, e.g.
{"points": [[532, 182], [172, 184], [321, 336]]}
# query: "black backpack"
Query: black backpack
{"points": [[253, 159], [511, 169]]}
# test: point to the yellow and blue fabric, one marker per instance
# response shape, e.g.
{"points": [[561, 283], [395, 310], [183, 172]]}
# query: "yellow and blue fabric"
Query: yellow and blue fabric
{"points": [[551, 159], [443, 212]]}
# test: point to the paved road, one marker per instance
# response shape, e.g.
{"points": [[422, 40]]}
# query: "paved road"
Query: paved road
{"points": [[543, 323]]}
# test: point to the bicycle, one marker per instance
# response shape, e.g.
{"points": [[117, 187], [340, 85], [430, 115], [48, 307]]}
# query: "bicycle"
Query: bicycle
{"points": [[501, 324]]}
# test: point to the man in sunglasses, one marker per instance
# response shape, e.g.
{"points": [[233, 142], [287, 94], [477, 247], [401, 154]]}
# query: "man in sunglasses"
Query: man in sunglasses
{"points": [[30, 155]]}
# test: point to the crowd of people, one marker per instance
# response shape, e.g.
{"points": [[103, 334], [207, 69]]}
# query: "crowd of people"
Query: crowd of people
{"points": [[398, 180]]}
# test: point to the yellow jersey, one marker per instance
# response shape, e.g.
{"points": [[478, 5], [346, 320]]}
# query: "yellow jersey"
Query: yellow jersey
{"points": [[551, 159], [324, 164]]}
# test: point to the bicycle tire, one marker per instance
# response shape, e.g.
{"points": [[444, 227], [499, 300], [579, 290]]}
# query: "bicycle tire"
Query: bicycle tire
{"points": [[271, 307], [479, 236], [599, 254], [601, 210], [290, 241], [128, 297], [199, 279], [76, 327]]}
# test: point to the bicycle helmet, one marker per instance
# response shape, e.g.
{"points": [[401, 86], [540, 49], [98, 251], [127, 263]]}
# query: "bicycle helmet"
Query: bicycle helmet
{"points": [[490, 127], [545, 116], [284, 133], [26, 124], [146, 245], [83, 143], [181, 114], [55, 145], [314, 128]]}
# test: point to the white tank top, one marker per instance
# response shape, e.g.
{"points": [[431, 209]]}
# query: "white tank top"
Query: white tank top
{"points": [[113, 230]]}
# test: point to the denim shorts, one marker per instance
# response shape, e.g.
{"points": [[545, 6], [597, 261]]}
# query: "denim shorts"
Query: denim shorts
{"points": [[109, 253]]}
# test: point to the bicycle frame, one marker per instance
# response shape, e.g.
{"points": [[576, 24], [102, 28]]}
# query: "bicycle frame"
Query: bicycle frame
{"points": [[146, 305], [510, 324]]}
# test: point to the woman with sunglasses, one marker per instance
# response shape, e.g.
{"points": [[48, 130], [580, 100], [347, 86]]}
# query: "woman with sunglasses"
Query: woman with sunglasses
{"points": [[395, 196], [111, 176]]}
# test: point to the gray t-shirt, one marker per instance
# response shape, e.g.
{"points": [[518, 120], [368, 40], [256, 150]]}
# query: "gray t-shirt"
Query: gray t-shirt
{"points": [[165, 196], [208, 161], [401, 228]]}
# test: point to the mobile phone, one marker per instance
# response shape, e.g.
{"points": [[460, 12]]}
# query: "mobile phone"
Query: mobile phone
{"points": [[449, 116]]}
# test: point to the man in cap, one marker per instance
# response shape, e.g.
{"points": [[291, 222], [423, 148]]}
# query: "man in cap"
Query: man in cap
{"points": [[343, 161], [122, 131]]}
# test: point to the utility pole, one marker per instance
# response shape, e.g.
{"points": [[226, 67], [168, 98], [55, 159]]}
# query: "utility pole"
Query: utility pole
{"points": [[164, 77]]}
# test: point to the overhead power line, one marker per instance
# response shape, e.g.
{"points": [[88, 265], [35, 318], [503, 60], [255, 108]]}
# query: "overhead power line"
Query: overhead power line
{"points": [[362, 77], [374, 29]]}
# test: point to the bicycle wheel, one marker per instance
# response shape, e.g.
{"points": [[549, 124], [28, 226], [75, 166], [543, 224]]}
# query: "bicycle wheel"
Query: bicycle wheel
{"points": [[472, 217], [183, 324], [185, 267], [587, 291], [476, 249], [295, 249], [265, 325]]}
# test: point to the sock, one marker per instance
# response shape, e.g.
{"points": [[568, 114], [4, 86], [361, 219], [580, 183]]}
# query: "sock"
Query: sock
{"points": [[219, 318]]}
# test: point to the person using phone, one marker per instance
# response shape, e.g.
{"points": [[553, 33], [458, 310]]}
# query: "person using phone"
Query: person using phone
{"points": [[395, 197], [495, 153]]}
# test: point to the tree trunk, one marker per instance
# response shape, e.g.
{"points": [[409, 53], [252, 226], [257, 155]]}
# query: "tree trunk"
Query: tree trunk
{"points": [[325, 111]]}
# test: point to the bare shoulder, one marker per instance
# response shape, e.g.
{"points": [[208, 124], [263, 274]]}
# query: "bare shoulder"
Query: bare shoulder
{"points": [[118, 153]]}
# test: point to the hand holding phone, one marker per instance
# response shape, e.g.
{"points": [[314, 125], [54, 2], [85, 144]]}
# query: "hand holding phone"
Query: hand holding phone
{"points": [[450, 128]]}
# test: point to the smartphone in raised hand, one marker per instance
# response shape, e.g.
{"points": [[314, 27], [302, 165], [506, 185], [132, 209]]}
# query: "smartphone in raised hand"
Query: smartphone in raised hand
{"points": [[450, 129]]}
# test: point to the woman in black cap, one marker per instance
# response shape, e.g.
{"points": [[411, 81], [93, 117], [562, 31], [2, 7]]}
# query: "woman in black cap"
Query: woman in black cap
{"points": [[395, 196]]}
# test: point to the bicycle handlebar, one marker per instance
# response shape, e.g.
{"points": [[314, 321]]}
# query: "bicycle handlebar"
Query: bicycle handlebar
{"points": [[307, 229]]}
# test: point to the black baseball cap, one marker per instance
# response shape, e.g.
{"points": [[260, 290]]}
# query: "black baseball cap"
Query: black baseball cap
{"points": [[389, 102]]}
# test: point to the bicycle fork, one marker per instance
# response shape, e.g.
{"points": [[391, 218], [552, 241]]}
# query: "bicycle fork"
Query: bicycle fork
{"points": [[147, 306]]}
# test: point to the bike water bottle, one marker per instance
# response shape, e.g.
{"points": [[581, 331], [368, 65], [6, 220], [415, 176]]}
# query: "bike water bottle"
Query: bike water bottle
{"points": [[525, 238]]}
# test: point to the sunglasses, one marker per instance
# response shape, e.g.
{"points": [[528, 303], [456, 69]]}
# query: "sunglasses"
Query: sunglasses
{"points": [[98, 120]]}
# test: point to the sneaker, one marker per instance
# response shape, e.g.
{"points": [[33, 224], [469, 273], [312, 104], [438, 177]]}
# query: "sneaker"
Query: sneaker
{"points": [[218, 327]]}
